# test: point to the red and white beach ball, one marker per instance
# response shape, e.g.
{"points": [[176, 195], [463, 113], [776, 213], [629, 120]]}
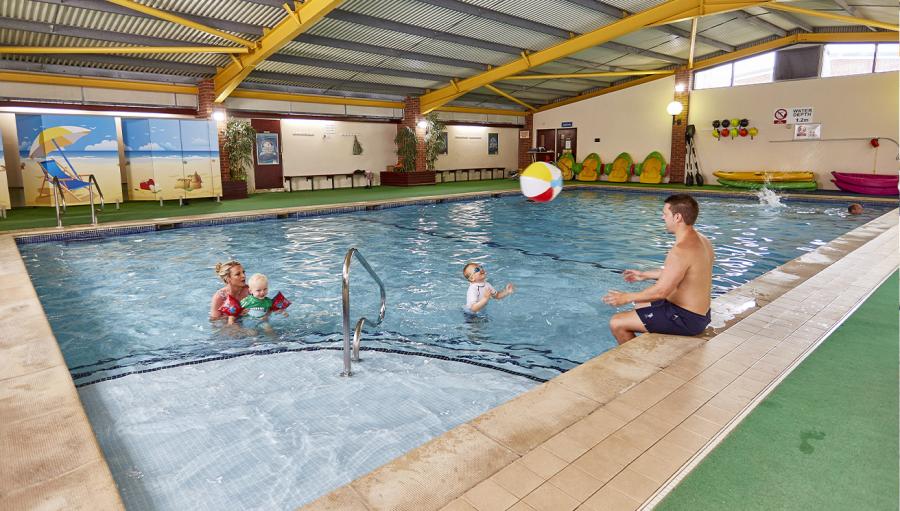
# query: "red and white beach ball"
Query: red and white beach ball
{"points": [[541, 181]]}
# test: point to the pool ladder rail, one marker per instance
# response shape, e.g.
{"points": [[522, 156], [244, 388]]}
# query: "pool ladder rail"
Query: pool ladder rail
{"points": [[345, 295]]}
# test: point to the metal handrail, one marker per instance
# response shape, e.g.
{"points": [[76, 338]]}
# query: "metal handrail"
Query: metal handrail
{"points": [[345, 296]]}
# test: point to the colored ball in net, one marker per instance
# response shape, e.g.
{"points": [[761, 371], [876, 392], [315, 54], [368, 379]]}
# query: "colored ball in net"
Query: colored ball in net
{"points": [[541, 182]]}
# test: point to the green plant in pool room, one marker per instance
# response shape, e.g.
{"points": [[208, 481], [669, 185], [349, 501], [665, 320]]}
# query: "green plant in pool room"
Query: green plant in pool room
{"points": [[434, 142], [239, 140], [406, 149]]}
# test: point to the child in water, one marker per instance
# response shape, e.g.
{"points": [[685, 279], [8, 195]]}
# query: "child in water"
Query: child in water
{"points": [[480, 292], [257, 305]]}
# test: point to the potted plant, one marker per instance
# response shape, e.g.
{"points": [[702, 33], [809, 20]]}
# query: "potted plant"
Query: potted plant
{"points": [[404, 173], [238, 148]]}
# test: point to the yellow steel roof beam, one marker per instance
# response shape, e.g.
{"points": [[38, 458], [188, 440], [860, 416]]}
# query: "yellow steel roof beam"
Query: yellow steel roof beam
{"points": [[599, 74], [308, 98], [156, 13], [121, 49], [435, 99], [99, 83], [295, 23], [508, 96], [778, 6]]}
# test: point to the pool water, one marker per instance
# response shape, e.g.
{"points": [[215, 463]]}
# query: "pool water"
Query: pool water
{"points": [[190, 416], [138, 301]]}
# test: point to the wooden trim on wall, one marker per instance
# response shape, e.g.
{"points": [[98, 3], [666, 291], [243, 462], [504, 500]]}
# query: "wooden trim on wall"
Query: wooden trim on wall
{"points": [[188, 112], [247, 114]]}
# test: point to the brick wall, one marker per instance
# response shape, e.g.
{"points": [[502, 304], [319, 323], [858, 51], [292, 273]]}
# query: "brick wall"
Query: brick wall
{"points": [[411, 117], [205, 106], [677, 153], [526, 143]]}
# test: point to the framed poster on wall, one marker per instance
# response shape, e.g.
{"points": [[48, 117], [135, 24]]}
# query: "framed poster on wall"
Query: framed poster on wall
{"points": [[446, 141], [493, 143], [267, 152]]}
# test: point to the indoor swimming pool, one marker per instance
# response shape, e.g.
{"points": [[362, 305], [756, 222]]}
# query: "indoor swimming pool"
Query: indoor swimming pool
{"points": [[187, 413]]}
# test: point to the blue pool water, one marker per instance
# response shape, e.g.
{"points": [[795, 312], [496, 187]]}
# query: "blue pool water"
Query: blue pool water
{"points": [[142, 300], [130, 314]]}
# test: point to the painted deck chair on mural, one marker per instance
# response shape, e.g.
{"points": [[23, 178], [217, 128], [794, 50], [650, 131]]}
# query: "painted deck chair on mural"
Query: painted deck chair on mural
{"points": [[68, 182]]}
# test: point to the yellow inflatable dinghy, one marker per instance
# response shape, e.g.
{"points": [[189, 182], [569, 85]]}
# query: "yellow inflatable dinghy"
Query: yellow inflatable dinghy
{"points": [[768, 176]]}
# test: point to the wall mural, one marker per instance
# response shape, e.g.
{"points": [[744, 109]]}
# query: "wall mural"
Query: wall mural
{"points": [[69, 147], [4, 183], [171, 159]]}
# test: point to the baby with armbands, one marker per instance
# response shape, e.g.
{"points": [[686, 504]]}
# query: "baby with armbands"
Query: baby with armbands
{"points": [[256, 305]]}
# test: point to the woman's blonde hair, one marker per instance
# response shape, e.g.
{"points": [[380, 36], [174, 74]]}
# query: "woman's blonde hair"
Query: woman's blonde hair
{"points": [[223, 270]]}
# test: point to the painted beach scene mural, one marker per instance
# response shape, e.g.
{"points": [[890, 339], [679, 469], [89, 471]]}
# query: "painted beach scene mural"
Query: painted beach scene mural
{"points": [[70, 148], [5, 203], [171, 159]]}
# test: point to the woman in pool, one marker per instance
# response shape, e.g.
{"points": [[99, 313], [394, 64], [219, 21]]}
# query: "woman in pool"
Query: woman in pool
{"points": [[232, 274]]}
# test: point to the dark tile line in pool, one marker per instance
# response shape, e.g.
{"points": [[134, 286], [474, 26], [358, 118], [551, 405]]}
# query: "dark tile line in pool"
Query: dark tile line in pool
{"points": [[100, 233], [276, 351]]}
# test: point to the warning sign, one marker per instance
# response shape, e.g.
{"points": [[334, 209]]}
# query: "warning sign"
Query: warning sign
{"points": [[780, 116]]}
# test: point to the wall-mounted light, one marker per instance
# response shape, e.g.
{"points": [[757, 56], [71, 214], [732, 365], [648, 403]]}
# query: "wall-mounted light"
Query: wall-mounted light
{"points": [[674, 108], [422, 124], [679, 87], [218, 115]]}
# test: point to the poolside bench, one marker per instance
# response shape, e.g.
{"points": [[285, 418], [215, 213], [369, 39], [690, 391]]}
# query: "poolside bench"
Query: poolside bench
{"points": [[352, 177], [478, 173]]}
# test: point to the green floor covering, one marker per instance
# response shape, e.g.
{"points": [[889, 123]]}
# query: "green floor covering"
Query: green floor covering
{"points": [[825, 439], [33, 217]]}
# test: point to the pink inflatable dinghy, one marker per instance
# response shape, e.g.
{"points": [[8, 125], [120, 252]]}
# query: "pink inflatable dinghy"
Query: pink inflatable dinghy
{"points": [[866, 184]]}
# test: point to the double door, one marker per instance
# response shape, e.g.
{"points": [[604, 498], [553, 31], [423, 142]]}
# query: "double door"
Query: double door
{"points": [[559, 141]]}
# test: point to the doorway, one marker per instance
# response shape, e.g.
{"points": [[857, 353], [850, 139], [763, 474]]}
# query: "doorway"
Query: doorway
{"points": [[567, 142], [547, 140], [267, 165]]}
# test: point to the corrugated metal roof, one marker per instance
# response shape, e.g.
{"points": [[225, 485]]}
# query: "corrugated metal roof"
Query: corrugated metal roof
{"points": [[407, 11], [362, 34], [244, 12], [86, 64], [373, 78], [25, 10], [461, 51], [487, 30], [736, 31], [301, 49], [305, 71], [564, 15]]}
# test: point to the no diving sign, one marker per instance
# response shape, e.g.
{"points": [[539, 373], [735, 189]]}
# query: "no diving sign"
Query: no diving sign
{"points": [[793, 115], [780, 116]]}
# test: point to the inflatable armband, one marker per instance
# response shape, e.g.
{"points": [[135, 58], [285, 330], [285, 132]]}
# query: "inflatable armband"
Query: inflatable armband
{"points": [[279, 303], [231, 307]]}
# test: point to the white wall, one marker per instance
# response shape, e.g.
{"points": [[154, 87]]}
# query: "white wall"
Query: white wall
{"points": [[325, 147], [632, 120], [861, 106], [468, 148]]}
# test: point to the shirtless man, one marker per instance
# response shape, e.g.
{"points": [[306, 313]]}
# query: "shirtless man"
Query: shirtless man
{"points": [[678, 303]]}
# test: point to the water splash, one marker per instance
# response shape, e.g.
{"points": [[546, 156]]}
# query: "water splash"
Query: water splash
{"points": [[769, 197]]}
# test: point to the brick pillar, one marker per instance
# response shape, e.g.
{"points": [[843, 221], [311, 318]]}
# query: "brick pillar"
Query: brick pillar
{"points": [[206, 99], [526, 143], [412, 114], [677, 154], [205, 106]]}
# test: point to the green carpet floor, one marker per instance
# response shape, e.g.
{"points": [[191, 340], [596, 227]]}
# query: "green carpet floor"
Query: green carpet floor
{"points": [[33, 217], [825, 439]]}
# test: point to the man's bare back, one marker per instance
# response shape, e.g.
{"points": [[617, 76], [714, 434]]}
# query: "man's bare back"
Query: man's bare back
{"points": [[693, 292]]}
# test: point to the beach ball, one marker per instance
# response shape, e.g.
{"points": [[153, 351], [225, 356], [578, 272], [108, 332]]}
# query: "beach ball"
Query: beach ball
{"points": [[541, 181]]}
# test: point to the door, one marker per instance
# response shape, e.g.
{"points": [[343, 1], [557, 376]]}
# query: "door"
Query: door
{"points": [[566, 141], [547, 140], [267, 165]]}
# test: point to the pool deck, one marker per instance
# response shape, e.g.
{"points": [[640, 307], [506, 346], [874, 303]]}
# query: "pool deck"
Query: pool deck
{"points": [[615, 432]]}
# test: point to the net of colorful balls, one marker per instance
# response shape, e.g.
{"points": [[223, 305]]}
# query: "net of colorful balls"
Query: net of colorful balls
{"points": [[733, 128]]}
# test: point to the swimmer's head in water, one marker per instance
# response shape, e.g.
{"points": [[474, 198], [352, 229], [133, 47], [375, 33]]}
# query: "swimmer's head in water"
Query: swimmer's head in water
{"points": [[231, 272], [474, 272], [855, 209], [259, 285], [681, 204]]}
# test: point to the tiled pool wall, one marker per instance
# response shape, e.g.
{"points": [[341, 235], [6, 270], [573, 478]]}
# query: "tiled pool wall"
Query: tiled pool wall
{"points": [[50, 452]]}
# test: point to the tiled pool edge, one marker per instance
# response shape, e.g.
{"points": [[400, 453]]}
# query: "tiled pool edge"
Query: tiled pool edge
{"points": [[593, 400], [50, 456], [35, 384]]}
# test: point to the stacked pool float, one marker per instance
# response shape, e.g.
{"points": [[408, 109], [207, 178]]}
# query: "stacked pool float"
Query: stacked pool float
{"points": [[773, 180], [866, 184]]}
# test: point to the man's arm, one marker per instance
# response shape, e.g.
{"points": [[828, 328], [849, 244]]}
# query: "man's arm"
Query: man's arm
{"points": [[668, 279], [638, 275]]}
